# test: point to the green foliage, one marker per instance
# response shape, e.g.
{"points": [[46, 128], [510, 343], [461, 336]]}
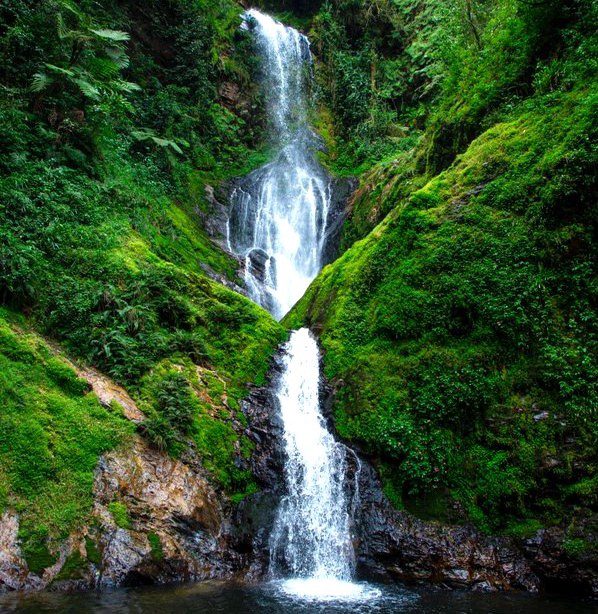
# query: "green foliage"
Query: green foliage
{"points": [[93, 554], [186, 402], [120, 513], [462, 327], [35, 552], [101, 182], [576, 546], [73, 568], [156, 546], [391, 68]]}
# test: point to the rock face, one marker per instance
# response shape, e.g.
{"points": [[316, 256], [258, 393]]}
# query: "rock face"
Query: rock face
{"points": [[175, 523], [341, 190], [155, 520], [394, 545], [215, 219], [254, 518]]}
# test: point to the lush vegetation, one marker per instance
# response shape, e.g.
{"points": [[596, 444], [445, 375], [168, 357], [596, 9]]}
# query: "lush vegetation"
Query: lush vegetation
{"points": [[51, 435], [461, 319], [112, 121]]}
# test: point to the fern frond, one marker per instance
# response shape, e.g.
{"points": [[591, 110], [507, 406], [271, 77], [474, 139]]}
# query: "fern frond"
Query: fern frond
{"points": [[112, 35], [59, 69], [102, 68], [40, 81], [87, 89], [127, 86], [118, 56]]}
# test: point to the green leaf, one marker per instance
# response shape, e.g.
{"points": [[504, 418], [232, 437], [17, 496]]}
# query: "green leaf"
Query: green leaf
{"points": [[40, 81], [87, 89], [113, 35], [127, 86], [62, 71]]}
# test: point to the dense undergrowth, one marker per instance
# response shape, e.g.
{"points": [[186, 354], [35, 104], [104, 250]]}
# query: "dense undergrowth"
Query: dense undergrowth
{"points": [[460, 323], [112, 121]]}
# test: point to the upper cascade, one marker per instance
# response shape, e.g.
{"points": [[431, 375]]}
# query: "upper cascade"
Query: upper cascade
{"points": [[279, 212]]}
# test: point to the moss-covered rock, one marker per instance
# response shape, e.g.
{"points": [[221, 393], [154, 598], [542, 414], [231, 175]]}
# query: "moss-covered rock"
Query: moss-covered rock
{"points": [[460, 330]]}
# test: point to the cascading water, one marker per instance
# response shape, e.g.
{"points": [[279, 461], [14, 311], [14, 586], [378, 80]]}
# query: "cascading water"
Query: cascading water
{"points": [[311, 536], [278, 216], [278, 224], [311, 543]]}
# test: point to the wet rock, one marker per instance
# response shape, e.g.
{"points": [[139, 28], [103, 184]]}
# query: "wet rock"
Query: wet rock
{"points": [[254, 518], [221, 279], [562, 567], [393, 545], [230, 93], [13, 569], [123, 553], [258, 261], [214, 217], [340, 191]]}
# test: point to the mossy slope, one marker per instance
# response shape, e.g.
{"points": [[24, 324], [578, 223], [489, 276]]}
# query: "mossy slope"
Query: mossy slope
{"points": [[461, 330], [112, 124]]}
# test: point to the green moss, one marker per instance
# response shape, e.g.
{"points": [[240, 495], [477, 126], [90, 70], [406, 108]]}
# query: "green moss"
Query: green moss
{"points": [[524, 529], [36, 553], [156, 546], [51, 436], [93, 553], [73, 569], [576, 547], [120, 514], [464, 313]]}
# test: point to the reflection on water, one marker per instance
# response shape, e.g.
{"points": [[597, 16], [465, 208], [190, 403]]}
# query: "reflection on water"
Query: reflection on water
{"points": [[279, 598]]}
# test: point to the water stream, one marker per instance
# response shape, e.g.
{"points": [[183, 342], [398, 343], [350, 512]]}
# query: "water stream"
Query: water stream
{"points": [[311, 539], [278, 215], [278, 223]]}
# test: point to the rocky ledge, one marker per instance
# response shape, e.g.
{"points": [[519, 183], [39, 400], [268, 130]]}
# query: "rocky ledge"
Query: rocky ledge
{"points": [[155, 520], [395, 546]]}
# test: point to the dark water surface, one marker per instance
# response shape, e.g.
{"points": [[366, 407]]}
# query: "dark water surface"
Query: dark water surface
{"points": [[215, 598]]}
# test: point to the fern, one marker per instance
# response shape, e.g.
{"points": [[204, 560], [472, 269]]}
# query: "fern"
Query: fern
{"points": [[59, 69], [40, 81], [145, 134], [118, 57], [127, 86], [87, 89], [113, 35]]}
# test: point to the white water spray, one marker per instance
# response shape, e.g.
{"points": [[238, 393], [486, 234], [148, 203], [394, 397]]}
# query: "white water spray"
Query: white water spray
{"points": [[311, 536], [278, 217], [311, 541]]}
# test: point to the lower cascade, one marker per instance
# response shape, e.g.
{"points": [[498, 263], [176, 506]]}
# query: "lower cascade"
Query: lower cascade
{"points": [[311, 540]]}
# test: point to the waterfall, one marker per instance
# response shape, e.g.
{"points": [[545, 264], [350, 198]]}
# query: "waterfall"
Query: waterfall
{"points": [[311, 536], [278, 224], [278, 214]]}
